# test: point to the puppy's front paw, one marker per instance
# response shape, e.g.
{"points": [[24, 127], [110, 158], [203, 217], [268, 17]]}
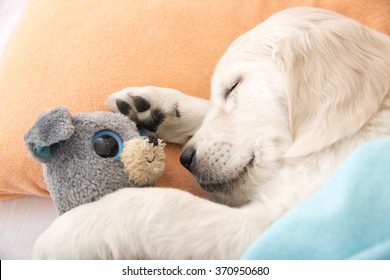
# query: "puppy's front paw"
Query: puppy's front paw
{"points": [[143, 105], [174, 116], [76, 234]]}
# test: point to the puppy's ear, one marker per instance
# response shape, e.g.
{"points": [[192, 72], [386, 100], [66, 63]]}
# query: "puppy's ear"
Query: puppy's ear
{"points": [[338, 73], [50, 128]]}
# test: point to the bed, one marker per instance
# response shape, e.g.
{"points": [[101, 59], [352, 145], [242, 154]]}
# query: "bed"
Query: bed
{"points": [[75, 53]]}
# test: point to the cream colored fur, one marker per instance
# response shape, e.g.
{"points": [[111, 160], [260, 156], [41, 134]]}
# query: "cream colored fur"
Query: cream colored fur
{"points": [[310, 86], [143, 162]]}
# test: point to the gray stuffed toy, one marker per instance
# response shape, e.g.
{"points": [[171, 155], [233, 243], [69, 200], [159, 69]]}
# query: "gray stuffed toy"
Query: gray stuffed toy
{"points": [[89, 155]]}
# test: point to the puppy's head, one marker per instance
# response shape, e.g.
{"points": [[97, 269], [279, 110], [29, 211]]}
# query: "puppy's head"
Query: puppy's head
{"points": [[299, 82]]}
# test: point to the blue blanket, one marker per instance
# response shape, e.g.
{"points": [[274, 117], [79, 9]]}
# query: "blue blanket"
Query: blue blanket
{"points": [[349, 218]]}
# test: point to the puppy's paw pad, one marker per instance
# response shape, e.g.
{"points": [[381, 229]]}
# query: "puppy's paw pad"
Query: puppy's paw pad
{"points": [[141, 104], [152, 121], [122, 106]]}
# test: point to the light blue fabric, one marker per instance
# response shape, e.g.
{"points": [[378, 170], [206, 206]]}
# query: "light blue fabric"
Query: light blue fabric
{"points": [[348, 219]]}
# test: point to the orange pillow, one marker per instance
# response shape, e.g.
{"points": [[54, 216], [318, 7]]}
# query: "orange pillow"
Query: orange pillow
{"points": [[75, 53]]}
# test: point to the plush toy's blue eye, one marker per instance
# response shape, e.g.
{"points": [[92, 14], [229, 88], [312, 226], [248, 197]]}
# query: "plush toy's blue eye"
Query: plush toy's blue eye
{"points": [[107, 144]]}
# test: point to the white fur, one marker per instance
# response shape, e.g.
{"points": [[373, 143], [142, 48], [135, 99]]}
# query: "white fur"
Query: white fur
{"points": [[173, 129], [313, 85]]}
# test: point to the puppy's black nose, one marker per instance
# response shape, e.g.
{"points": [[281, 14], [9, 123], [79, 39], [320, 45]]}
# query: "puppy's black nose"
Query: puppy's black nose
{"points": [[187, 157]]}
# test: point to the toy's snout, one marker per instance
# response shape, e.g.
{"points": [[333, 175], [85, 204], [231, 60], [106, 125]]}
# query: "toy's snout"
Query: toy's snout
{"points": [[143, 160]]}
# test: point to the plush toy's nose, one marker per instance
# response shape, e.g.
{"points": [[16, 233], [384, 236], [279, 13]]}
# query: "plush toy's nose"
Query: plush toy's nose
{"points": [[153, 140], [151, 136], [143, 160]]}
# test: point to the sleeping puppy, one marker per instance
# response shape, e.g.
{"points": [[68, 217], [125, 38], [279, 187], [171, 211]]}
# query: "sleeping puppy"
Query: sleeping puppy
{"points": [[290, 99]]}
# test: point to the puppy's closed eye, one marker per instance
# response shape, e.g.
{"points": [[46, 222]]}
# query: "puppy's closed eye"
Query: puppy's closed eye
{"points": [[232, 88]]}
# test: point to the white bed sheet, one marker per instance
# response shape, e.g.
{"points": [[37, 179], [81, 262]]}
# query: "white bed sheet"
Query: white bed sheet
{"points": [[21, 219]]}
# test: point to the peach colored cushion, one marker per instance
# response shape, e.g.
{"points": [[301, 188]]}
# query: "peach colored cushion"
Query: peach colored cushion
{"points": [[75, 53]]}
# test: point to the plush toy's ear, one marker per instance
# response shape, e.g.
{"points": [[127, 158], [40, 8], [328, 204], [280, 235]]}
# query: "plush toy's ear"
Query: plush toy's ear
{"points": [[337, 74], [50, 128]]}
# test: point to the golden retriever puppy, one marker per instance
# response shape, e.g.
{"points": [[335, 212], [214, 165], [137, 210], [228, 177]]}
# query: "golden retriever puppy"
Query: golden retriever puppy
{"points": [[290, 100]]}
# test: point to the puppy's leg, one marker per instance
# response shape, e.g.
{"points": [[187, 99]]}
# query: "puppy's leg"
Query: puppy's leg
{"points": [[154, 223], [174, 116]]}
